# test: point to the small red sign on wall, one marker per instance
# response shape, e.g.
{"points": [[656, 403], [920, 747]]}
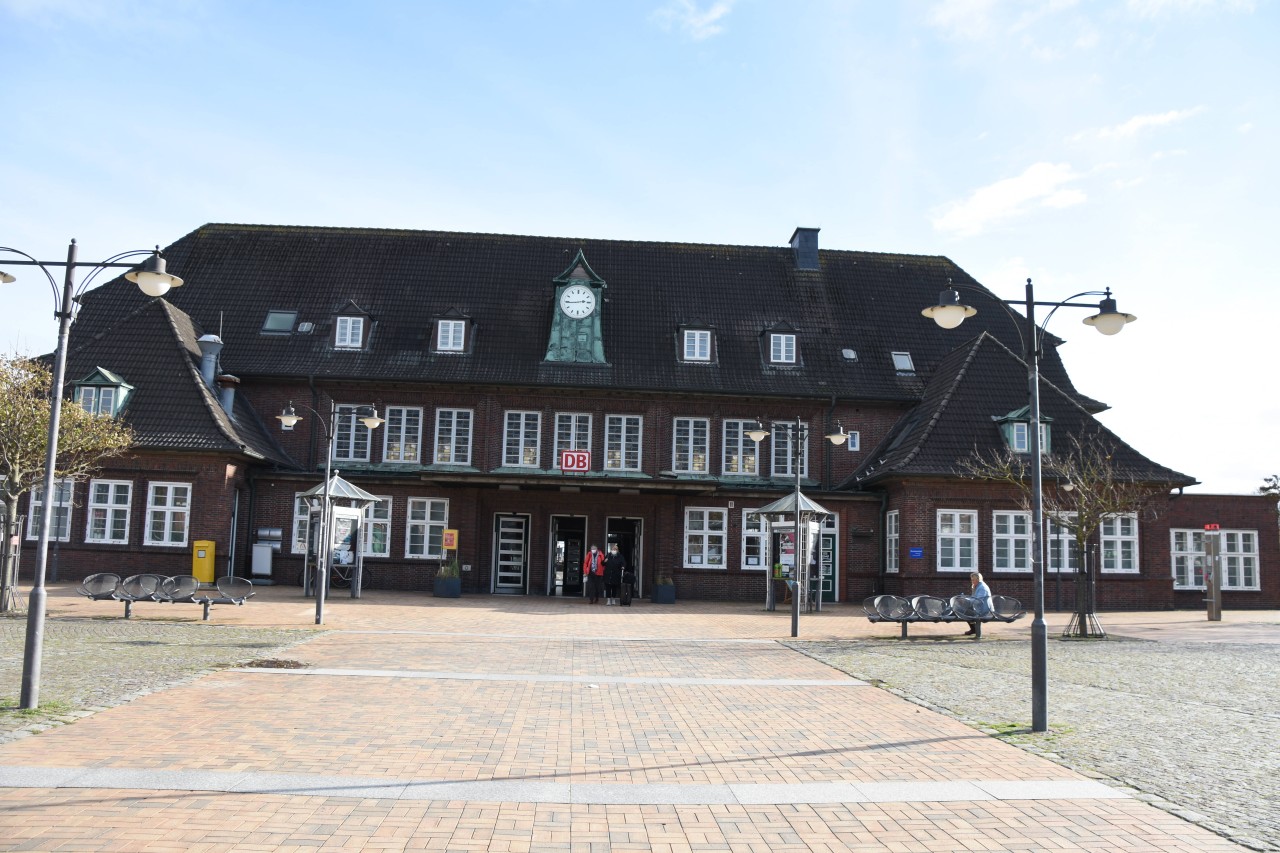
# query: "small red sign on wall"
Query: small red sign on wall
{"points": [[1213, 527], [575, 461]]}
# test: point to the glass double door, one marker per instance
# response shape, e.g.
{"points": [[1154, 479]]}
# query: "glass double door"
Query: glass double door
{"points": [[510, 554]]}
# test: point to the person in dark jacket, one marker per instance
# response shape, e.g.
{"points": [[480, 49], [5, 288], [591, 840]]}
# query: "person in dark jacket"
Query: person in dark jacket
{"points": [[593, 573], [614, 565]]}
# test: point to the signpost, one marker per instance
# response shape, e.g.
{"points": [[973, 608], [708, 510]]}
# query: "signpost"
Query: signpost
{"points": [[1212, 573]]}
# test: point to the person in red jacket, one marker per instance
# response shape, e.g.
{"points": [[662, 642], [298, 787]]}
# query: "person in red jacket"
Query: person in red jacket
{"points": [[593, 573]]}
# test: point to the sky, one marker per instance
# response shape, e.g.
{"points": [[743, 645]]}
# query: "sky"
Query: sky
{"points": [[1129, 144]]}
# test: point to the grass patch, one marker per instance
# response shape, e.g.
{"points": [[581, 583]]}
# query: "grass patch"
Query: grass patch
{"points": [[48, 708]]}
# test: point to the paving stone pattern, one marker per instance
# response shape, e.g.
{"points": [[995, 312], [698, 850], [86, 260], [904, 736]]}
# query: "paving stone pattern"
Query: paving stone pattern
{"points": [[1194, 724]]}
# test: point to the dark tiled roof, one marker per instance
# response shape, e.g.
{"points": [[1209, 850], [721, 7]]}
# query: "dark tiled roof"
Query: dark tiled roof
{"points": [[863, 301], [975, 383], [153, 347]]}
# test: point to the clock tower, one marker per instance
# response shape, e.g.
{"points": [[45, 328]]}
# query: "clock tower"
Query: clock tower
{"points": [[575, 316]]}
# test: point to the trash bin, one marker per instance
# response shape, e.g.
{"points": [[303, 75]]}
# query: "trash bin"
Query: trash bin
{"points": [[202, 561]]}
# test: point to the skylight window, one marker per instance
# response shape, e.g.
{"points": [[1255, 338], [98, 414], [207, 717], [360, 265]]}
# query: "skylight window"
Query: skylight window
{"points": [[279, 322], [902, 362]]}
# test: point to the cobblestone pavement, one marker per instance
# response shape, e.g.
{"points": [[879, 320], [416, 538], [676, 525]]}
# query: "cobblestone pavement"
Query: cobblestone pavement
{"points": [[91, 664], [1193, 725]]}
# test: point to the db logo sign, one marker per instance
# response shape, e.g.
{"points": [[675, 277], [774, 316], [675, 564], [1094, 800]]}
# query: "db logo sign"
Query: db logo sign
{"points": [[575, 460]]}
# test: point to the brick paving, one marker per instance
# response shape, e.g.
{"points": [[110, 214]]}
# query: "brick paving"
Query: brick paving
{"points": [[604, 700]]}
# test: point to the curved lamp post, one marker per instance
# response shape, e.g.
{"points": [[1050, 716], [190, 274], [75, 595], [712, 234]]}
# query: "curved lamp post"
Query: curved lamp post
{"points": [[949, 313], [153, 280], [289, 418], [797, 433]]}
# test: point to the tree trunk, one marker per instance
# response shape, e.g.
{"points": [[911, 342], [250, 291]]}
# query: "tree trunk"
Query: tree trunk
{"points": [[9, 559]]}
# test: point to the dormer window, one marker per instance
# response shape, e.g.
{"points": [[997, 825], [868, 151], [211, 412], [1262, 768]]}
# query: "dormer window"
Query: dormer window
{"points": [[1016, 428], [102, 393], [451, 335], [697, 345], [348, 333], [782, 348]]}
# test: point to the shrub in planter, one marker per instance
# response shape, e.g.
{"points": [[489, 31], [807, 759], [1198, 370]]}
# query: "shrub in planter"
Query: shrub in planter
{"points": [[664, 590], [448, 581]]}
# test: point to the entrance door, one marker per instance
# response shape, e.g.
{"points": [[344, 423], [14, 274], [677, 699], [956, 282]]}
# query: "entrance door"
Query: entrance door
{"points": [[830, 558], [510, 552], [568, 546], [626, 532]]}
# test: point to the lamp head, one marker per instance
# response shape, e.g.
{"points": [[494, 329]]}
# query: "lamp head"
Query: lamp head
{"points": [[288, 418], [757, 433], [838, 437], [368, 416], [1108, 320], [950, 311], [5, 278], [151, 277]]}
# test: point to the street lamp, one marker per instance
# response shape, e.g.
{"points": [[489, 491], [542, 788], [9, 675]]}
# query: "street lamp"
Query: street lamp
{"points": [[152, 279], [797, 433], [289, 418], [949, 313]]}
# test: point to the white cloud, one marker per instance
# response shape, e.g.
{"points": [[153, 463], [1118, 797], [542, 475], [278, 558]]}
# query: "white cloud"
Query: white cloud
{"points": [[969, 19], [1246, 127], [697, 23], [1043, 184], [1159, 8], [1138, 124]]}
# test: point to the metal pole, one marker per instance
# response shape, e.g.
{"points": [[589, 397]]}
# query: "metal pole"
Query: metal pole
{"points": [[322, 570], [1039, 631], [799, 547], [36, 604]]}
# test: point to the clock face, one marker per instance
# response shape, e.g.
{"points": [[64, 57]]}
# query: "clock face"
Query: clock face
{"points": [[578, 301]]}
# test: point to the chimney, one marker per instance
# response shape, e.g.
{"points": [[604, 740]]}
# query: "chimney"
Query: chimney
{"points": [[210, 346], [804, 244], [227, 393]]}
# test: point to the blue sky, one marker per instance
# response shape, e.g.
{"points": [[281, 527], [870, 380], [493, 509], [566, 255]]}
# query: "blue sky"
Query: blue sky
{"points": [[1129, 145]]}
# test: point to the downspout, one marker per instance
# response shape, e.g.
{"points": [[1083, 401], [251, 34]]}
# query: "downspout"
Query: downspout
{"points": [[311, 434], [830, 449], [884, 545]]}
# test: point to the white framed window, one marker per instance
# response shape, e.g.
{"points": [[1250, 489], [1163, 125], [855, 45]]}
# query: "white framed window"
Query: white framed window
{"points": [[108, 516], [755, 540], [782, 348], [453, 436], [1238, 553], [1119, 534], [1011, 542], [853, 441], [740, 453], [1240, 559], [705, 530], [573, 432], [350, 437], [63, 494], [1019, 434], [377, 528], [97, 399], [348, 333], [168, 513], [690, 445], [892, 542], [1060, 541], [521, 439], [957, 540], [783, 435], [402, 440], [451, 335], [902, 362], [301, 523], [425, 522], [622, 442], [697, 345]]}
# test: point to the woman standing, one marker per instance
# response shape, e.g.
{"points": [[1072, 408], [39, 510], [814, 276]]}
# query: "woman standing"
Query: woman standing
{"points": [[614, 564], [593, 573]]}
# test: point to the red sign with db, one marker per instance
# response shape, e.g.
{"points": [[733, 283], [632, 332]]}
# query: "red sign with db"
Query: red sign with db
{"points": [[576, 461]]}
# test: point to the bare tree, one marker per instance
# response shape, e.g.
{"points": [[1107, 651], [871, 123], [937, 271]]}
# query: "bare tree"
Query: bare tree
{"points": [[83, 441], [1084, 488]]}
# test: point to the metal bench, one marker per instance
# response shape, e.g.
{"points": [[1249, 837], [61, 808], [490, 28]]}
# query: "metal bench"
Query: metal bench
{"points": [[138, 588], [231, 590], [100, 587], [931, 608]]}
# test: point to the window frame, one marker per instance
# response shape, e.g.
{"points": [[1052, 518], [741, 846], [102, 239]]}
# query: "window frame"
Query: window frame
{"points": [[111, 393], [1011, 549], [428, 527], [1055, 534], [524, 438], [348, 332], [706, 535], [301, 524], [1196, 559], [684, 459], [1227, 554], [617, 452], [577, 437], [346, 421], [902, 362], [278, 313], [169, 512], [456, 340], [1109, 557], [892, 542], [959, 538], [111, 508], [742, 444], [756, 532], [697, 346], [456, 444], [781, 434], [373, 520], [35, 503], [391, 427], [783, 348]]}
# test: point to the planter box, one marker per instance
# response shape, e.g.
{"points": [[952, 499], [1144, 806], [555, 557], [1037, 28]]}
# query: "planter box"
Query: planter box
{"points": [[447, 587], [663, 593]]}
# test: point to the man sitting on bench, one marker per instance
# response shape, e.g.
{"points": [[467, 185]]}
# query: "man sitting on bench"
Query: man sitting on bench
{"points": [[981, 594]]}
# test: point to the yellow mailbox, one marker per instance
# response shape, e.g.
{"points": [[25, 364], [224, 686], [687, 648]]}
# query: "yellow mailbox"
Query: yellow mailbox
{"points": [[202, 561]]}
